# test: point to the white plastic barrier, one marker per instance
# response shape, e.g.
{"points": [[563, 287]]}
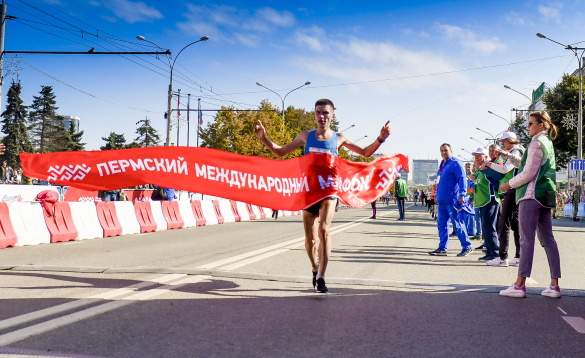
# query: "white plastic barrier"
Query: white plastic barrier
{"points": [[158, 216], [226, 211], [85, 218], [127, 217], [209, 212], [28, 223], [256, 211], [187, 213], [243, 211], [267, 211]]}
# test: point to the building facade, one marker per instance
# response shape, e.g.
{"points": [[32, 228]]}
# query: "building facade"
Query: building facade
{"points": [[424, 170]]}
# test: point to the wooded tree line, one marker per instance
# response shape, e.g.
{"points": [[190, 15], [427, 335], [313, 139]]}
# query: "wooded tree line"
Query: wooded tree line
{"points": [[39, 128]]}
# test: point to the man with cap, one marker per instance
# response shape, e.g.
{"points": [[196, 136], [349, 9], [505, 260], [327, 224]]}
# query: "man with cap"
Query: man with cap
{"points": [[451, 191], [487, 199], [512, 155], [401, 191]]}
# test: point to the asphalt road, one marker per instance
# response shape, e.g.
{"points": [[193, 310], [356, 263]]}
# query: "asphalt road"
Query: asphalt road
{"points": [[243, 290]]}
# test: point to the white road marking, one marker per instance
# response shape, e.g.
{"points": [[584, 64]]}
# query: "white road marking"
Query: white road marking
{"points": [[271, 250], [14, 321], [50, 325], [560, 309], [578, 323], [120, 301]]}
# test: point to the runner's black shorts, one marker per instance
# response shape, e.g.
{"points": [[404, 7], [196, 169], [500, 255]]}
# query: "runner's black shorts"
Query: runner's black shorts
{"points": [[314, 209]]}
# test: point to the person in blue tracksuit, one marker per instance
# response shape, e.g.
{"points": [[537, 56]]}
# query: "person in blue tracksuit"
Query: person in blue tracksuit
{"points": [[451, 188]]}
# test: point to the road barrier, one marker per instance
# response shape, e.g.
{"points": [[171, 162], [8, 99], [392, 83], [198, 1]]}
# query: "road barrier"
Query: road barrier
{"points": [[86, 220], [198, 212], [7, 235], [187, 213], [144, 215], [159, 217], [127, 217], [170, 210], [243, 211], [28, 223], [108, 218], [208, 209], [225, 207]]}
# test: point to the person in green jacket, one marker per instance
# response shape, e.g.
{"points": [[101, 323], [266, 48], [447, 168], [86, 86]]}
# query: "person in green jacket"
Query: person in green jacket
{"points": [[401, 190], [536, 196]]}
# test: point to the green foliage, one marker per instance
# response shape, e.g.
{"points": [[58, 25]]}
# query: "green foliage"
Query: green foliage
{"points": [[233, 130], [561, 100], [47, 129], [114, 141], [147, 135], [14, 124]]}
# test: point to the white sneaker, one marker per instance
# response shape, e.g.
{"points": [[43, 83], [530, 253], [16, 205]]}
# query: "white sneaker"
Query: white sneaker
{"points": [[552, 291], [498, 262], [515, 262], [514, 291]]}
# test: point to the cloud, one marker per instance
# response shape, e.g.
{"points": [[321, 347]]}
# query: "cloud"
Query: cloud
{"points": [[383, 66], [230, 24], [551, 12], [516, 19], [132, 11], [470, 40], [313, 37]]}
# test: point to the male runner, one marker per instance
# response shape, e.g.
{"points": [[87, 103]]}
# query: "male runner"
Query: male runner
{"points": [[323, 140]]}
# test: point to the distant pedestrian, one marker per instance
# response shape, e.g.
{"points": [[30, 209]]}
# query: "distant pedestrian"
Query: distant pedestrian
{"points": [[575, 199], [536, 195], [401, 192]]}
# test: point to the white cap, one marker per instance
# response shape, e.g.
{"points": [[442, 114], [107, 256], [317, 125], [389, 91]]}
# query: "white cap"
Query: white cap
{"points": [[507, 135], [480, 150]]}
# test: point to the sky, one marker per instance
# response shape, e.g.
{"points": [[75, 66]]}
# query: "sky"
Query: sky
{"points": [[432, 68]]}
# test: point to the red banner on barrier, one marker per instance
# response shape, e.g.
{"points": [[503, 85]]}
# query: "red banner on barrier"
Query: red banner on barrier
{"points": [[291, 184]]}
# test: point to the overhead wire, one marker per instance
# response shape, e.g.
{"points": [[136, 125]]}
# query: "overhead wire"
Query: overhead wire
{"points": [[80, 32]]}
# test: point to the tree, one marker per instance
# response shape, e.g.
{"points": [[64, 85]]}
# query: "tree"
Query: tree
{"points": [[233, 130], [114, 141], [15, 126], [47, 128], [561, 102], [147, 135]]}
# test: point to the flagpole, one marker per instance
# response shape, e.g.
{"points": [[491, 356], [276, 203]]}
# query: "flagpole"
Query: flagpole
{"points": [[188, 112], [200, 117]]}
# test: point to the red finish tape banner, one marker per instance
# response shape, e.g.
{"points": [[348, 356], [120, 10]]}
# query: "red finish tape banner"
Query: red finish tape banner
{"points": [[291, 184]]}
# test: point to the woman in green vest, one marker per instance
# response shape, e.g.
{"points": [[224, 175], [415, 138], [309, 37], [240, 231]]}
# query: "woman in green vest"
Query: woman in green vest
{"points": [[536, 196]]}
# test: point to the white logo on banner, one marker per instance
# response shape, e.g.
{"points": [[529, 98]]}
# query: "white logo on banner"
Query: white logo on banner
{"points": [[68, 172]]}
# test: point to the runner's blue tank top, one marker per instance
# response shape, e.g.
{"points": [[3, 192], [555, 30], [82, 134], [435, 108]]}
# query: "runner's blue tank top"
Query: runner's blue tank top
{"points": [[318, 146]]}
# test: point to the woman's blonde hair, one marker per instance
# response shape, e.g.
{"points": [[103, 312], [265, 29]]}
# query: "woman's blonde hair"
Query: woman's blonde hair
{"points": [[544, 118]]}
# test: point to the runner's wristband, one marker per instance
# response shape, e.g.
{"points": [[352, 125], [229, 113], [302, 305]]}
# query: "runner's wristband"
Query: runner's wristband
{"points": [[380, 140]]}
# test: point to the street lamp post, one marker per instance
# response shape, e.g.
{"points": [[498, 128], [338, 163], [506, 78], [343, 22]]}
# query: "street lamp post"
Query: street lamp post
{"points": [[353, 125], [477, 140], [361, 138], [170, 92], [580, 111], [465, 150], [283, 98], [507, 121]]}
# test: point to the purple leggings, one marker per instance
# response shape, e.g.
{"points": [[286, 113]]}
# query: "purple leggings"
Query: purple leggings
{"points": [[532, 216]]}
